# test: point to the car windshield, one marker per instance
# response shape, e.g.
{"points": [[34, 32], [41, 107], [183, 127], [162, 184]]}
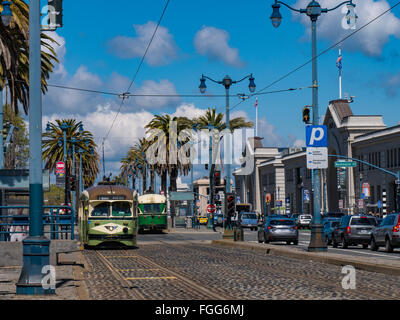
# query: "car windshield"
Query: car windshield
{"points": [[363, 221], [121, 209], [101, 210], [249, 216], [281, 223]]}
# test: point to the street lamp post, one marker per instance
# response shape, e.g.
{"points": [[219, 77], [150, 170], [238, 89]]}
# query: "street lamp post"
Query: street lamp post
{"points": [[36, 248], [227, 83], [313, 10]]}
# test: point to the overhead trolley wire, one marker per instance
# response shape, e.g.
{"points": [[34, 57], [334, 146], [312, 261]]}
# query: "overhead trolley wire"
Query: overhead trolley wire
{"points": [[320, 54], [126, 93]]}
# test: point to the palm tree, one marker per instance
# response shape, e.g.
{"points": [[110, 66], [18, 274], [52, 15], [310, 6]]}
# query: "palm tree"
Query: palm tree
{"points": [[14, 56], [53, 151], [213, 118], [162, 123]]}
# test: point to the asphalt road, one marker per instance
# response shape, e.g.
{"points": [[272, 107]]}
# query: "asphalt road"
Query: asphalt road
{"points": [[204, 235]]}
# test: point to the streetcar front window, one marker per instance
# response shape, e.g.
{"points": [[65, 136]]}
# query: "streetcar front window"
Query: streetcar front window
{"points": [[101, 210], [152, 208], [121, 209]]}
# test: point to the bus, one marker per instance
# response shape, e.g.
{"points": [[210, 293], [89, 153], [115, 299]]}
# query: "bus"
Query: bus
{"points": [[108, 216], [152, 212]]}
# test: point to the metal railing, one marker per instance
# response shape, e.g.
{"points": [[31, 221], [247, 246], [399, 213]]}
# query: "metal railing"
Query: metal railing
{"points": [[58, 221]]}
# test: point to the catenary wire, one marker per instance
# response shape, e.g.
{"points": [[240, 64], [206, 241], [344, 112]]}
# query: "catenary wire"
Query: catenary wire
{"points": [[320, 54]]}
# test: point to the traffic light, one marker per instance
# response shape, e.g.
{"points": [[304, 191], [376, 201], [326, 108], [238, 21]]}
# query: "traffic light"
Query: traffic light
{"points": [[72, 183], [217, 178], [230, 205], [55, 16], [306, 115]]}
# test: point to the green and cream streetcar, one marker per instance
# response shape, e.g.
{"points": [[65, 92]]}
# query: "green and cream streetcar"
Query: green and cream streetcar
{"points": [[152, 212], [108, 214]]}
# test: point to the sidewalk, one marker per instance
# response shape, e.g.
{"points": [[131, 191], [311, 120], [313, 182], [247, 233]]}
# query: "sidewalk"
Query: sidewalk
{"points": [[69, 271], [385, 266]]}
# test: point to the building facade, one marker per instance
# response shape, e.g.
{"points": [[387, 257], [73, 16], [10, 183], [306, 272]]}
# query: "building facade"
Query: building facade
{"points": [[283, 176]]}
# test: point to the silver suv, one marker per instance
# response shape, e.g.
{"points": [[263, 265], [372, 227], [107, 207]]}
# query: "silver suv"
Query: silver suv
{"points": [[304, 221], [387, 233], [354, 230]]}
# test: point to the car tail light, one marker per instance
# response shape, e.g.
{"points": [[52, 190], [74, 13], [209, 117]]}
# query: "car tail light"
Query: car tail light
{"points": [[348, 230], [397, 227], [295, 228], [269, 227]]}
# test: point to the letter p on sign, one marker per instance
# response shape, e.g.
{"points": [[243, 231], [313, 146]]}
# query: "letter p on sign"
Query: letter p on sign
{"points": [[316, 136]]}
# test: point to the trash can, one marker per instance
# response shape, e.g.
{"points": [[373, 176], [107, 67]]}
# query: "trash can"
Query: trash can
{"points": [[238, 234]]}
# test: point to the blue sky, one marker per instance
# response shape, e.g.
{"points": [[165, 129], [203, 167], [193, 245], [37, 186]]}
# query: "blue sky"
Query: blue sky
{"points": [[102, 43]]}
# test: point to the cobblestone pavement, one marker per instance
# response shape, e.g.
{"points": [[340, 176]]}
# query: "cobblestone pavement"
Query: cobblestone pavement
{"points": [[193, 271]]}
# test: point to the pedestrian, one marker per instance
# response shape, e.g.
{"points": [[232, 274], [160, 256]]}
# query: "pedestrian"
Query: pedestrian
{"points": [[19, 231]]}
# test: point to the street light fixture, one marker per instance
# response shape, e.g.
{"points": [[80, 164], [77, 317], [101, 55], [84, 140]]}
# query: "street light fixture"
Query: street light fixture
{"points": [[314, 10], [227, 83]]}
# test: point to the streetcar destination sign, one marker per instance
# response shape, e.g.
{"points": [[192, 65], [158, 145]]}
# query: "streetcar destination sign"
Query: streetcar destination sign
{"points": [[345, 164]]}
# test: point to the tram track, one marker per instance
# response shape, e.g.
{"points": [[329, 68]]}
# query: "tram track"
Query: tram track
{"points": [[144, 283], [322, 280]]}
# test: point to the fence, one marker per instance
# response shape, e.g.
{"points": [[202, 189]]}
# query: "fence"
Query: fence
{"points": [[58, 221]]}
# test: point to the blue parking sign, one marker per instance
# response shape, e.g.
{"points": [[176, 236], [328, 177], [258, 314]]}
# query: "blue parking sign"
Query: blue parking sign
{"points": [[316, 136]]}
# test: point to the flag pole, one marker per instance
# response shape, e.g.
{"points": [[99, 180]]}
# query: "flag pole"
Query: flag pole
{"points": [[256, 117], [340, 76]]}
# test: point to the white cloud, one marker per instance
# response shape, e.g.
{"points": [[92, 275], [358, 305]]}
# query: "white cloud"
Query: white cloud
{"points": [[213, 43], [188, 110], [162, 51], [150, 87], [370, 40]]}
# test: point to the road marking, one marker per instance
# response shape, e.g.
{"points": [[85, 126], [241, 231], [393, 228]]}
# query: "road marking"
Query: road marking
{"points": [[151, 278], [138, 269], [109, 257]]}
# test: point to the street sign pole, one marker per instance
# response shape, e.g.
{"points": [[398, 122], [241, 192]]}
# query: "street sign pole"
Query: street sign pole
{"points": [[36, 248], [317, 159]]}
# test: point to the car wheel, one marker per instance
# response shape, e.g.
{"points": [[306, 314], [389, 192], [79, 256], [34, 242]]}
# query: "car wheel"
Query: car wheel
{"points": [[334, 243], [345, 245], [388, 246], [365, 245], [296, 242], [265, 239], [288, 242], [260, 240], [374, 246]]}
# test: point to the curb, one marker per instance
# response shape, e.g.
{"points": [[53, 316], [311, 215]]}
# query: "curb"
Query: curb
{"points": [[371, 265]]}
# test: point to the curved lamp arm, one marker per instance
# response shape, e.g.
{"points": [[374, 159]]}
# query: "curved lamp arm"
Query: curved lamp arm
{"points": [[339, 5], [219, 82], [297, 10]]}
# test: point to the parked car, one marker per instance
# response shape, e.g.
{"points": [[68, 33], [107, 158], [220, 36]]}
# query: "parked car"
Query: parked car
{"points": [[279, 229], [329, 227], [354, 230], [248, 220], [304, 221], [387, 233], [202, 219]]}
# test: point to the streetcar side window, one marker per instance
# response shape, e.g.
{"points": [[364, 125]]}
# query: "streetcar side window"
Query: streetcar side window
{"points": [[101, 210], [121, 209]]}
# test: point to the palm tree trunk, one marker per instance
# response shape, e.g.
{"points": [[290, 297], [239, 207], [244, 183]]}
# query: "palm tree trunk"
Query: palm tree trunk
{"points": [[164, 181], [144, 179], [152, 179]]}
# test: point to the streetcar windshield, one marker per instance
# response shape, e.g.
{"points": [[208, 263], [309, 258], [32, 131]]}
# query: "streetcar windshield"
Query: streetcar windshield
{"points": [[101, 210], [121, 209], [152, 208]]}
